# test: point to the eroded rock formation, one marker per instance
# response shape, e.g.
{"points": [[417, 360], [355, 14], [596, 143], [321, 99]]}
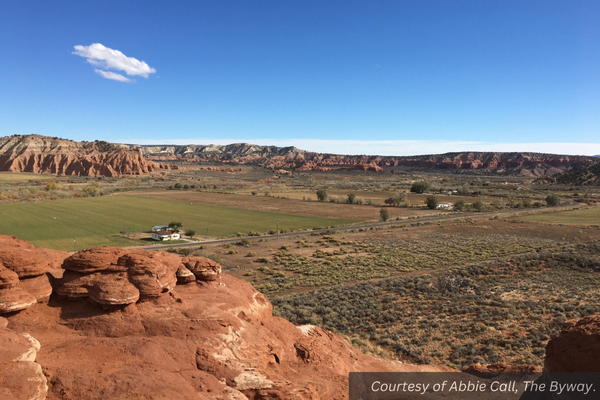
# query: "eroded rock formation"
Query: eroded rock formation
{"points": [[24, 278], [516, 163], [35, 153], [577, 348], [20, 376]]}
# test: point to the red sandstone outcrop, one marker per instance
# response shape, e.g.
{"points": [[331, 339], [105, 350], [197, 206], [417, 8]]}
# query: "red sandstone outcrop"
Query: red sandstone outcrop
{"points": [[20, 376], [577, 347], [35, 153], [114, 276], [23, 273]]}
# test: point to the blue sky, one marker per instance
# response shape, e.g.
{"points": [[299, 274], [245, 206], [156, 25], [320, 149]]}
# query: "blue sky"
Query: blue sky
{"points": [[384, 77]]}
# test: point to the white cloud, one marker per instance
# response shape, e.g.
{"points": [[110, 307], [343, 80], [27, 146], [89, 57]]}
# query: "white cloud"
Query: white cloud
{"points": [[112, 75], [396, 147], [106, 58]]}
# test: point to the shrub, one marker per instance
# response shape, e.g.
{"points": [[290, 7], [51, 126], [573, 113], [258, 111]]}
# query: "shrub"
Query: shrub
{"points": [[432, 202], [479, 206], [459, 205], [384, 214], [351, 198], [53, 186], [244, 242], [552, 200], [91, 191], [251, 254]]}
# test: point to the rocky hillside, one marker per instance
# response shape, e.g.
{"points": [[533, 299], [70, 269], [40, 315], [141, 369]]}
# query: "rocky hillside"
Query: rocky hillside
{"points": [[584, 175], [114, 324], [35, 153], [524, 164]]}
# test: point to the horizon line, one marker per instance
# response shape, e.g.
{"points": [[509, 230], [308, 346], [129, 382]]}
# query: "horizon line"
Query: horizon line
{"points": [[391, 148]]}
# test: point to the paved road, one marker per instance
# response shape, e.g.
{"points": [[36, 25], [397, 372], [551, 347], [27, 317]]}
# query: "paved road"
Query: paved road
{"points": [[360, 226]]}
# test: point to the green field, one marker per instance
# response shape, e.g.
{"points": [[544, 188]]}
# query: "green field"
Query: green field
{"points": [[23, 177], [589, 216], [98, 221]]}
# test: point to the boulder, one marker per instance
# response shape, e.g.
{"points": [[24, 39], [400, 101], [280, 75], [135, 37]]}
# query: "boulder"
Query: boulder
{"points": [[15, 299], [114, 292], [8, 278], [184, 275], [55, 258], [13, 241], [75, 285], [95, 260], [39, 287], [576, 348], [204, 268], [20, 376], [25, 262], [149, 273]]}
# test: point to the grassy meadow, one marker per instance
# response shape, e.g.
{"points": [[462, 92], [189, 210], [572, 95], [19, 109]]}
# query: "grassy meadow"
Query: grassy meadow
{"points": [[99, 221], [589, 216]]}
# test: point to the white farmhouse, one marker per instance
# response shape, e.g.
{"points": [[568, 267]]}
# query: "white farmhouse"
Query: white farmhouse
{"points": [[165, 235]]}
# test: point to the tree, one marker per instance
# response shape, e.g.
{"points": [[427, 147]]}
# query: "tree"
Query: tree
{"points": [[175, 225], [419, 187], [552, 200], [384, 214], [459, 205], [432, 202], [351, 198], [322, 194], [190, 232]]}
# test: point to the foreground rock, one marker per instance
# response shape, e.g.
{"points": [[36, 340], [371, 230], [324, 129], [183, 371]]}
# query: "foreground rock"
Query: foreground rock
{"points": [[128, 330], [20, 376], [577, 348], [23, 273], [113, 276]]}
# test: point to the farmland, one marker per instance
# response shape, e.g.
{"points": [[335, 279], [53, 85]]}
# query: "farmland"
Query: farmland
{"points": [[284, 205], [98, 221], [589, 216]]}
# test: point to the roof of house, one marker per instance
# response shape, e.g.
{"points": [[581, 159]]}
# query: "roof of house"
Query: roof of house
{"points": [[165, 233]]}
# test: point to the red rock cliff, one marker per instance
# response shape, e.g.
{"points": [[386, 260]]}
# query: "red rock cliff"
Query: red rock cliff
{"points": [[35, 153]]}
